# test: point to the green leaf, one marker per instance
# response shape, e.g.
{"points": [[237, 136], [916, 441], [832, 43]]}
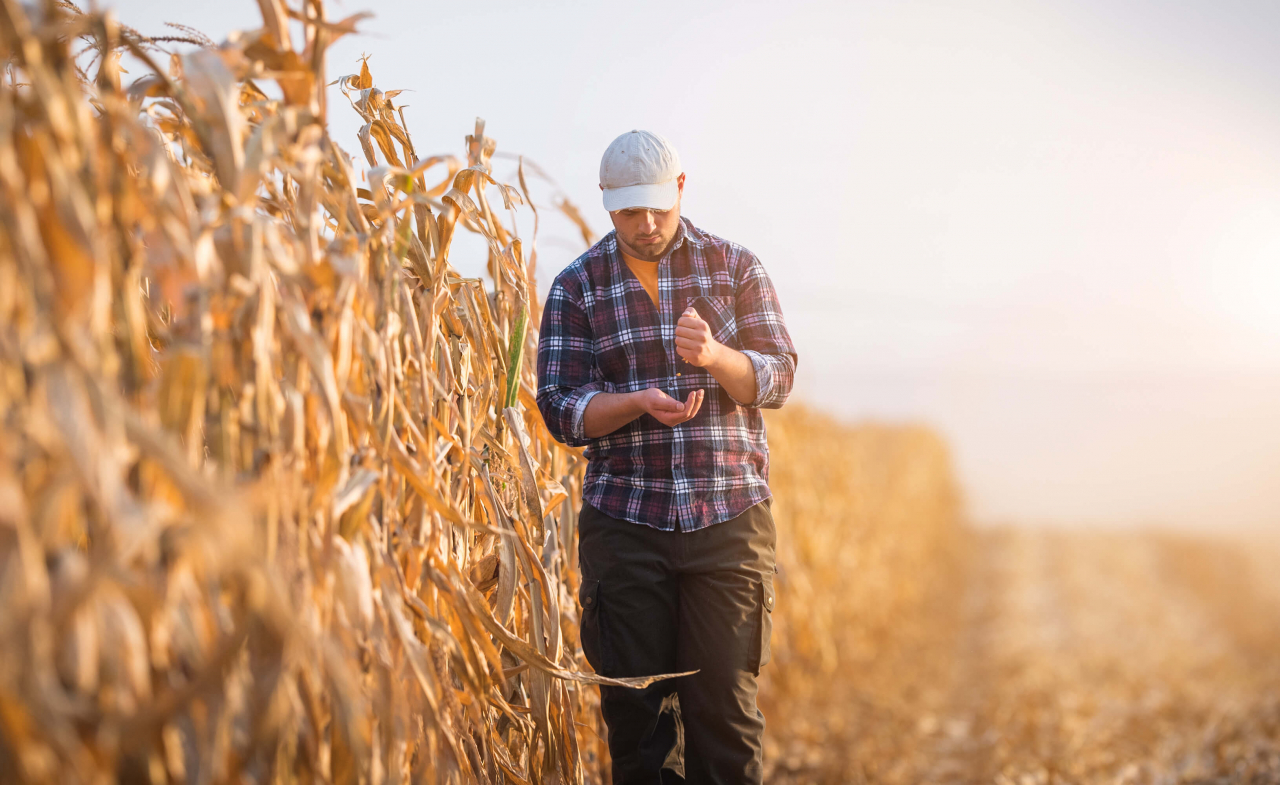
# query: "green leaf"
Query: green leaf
{"points": [[515, 353]]}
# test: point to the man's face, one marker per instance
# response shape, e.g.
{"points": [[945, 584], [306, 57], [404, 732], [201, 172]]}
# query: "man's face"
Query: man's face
{"points": [[646, 234]]}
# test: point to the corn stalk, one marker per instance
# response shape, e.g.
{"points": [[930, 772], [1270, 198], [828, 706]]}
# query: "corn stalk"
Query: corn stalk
{"points": [[275, 502]]}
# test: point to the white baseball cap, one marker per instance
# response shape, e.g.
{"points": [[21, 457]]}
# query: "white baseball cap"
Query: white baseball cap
{"points": [[639, 170]]}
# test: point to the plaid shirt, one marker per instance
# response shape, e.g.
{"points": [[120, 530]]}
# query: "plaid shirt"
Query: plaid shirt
{"points": [[601, 333]]}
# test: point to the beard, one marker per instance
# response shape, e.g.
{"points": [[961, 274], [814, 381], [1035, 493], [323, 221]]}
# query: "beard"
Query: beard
{"points": [[649, 248]]}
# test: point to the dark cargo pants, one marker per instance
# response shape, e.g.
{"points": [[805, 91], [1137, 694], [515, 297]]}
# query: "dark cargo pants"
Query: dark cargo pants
{"points": [[667, 602]]}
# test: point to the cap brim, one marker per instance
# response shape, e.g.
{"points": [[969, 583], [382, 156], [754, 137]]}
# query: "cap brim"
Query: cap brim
{"points": [[661, 196]]}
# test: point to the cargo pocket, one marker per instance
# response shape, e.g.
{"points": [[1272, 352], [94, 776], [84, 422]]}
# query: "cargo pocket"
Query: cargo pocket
{"points": [[589, 629], [764, 627]]}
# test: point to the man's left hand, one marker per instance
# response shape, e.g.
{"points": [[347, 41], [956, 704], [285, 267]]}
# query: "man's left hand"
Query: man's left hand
{"points": [[694, 341]]}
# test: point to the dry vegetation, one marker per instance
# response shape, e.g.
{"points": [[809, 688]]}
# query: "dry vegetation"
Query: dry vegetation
{"points": [[276, 504], [913, 650], [872, 554]]}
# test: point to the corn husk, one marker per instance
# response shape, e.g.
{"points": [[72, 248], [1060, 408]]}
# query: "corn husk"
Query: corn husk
{"points": [[275, 502]]}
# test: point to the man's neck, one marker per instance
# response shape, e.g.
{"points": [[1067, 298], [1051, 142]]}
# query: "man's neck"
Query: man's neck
{"points": [[630, 257]]}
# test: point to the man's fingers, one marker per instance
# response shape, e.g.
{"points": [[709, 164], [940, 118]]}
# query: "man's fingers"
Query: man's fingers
{"points": [[691, 312], [692, 409], [664, 403], [693, 405], [689, 409], [697, 405], [686, 323], [671, 419]]}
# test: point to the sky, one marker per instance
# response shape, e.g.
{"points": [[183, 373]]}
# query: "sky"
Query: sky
{"points": [[1050, 230]]}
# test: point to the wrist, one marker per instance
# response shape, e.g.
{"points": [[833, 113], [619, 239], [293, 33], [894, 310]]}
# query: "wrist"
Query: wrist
{"points": [[635, 403], [718, 352]]}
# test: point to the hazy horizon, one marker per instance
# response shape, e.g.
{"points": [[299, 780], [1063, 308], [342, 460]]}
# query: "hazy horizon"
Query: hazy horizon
{"points": [[1052, 233]]}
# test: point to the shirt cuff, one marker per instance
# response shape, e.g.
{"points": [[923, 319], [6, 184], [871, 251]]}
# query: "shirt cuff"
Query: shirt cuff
{"points": [[579, 411], [764, 377]]}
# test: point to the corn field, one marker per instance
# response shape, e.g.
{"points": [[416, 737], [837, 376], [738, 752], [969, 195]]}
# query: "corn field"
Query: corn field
{"points": [[277, 505], [912, 649]]}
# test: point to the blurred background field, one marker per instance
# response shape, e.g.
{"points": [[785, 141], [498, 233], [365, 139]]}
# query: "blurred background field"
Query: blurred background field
{"points": [[275, 505], [912, 647]]}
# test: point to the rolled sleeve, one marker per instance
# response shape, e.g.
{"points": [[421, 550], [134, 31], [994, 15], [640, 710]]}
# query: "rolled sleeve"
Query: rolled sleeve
{"points": [[763, 335], [567, 380], [763, 378], [579, 425]]}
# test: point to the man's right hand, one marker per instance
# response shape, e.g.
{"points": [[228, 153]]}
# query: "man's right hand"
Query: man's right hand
{"points": [[667, 410], [607, 412]]}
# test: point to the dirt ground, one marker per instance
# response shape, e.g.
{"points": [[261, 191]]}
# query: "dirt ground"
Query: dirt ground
{"points": [[1064, 657]]}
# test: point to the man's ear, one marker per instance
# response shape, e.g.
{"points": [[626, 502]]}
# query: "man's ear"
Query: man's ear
{"points": [[679, 183]]}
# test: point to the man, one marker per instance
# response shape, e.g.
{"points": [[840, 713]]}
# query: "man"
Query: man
{"points": [[658, 348]]}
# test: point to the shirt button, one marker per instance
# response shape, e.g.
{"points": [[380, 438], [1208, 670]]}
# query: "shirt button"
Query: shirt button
{"points": [[588, 600]]}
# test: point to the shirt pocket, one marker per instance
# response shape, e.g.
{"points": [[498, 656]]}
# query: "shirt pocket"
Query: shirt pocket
{"points": [[718, 312], [615, 358]]}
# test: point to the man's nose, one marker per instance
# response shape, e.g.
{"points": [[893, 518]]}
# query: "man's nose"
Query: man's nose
{"points": [[650, 222]]}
